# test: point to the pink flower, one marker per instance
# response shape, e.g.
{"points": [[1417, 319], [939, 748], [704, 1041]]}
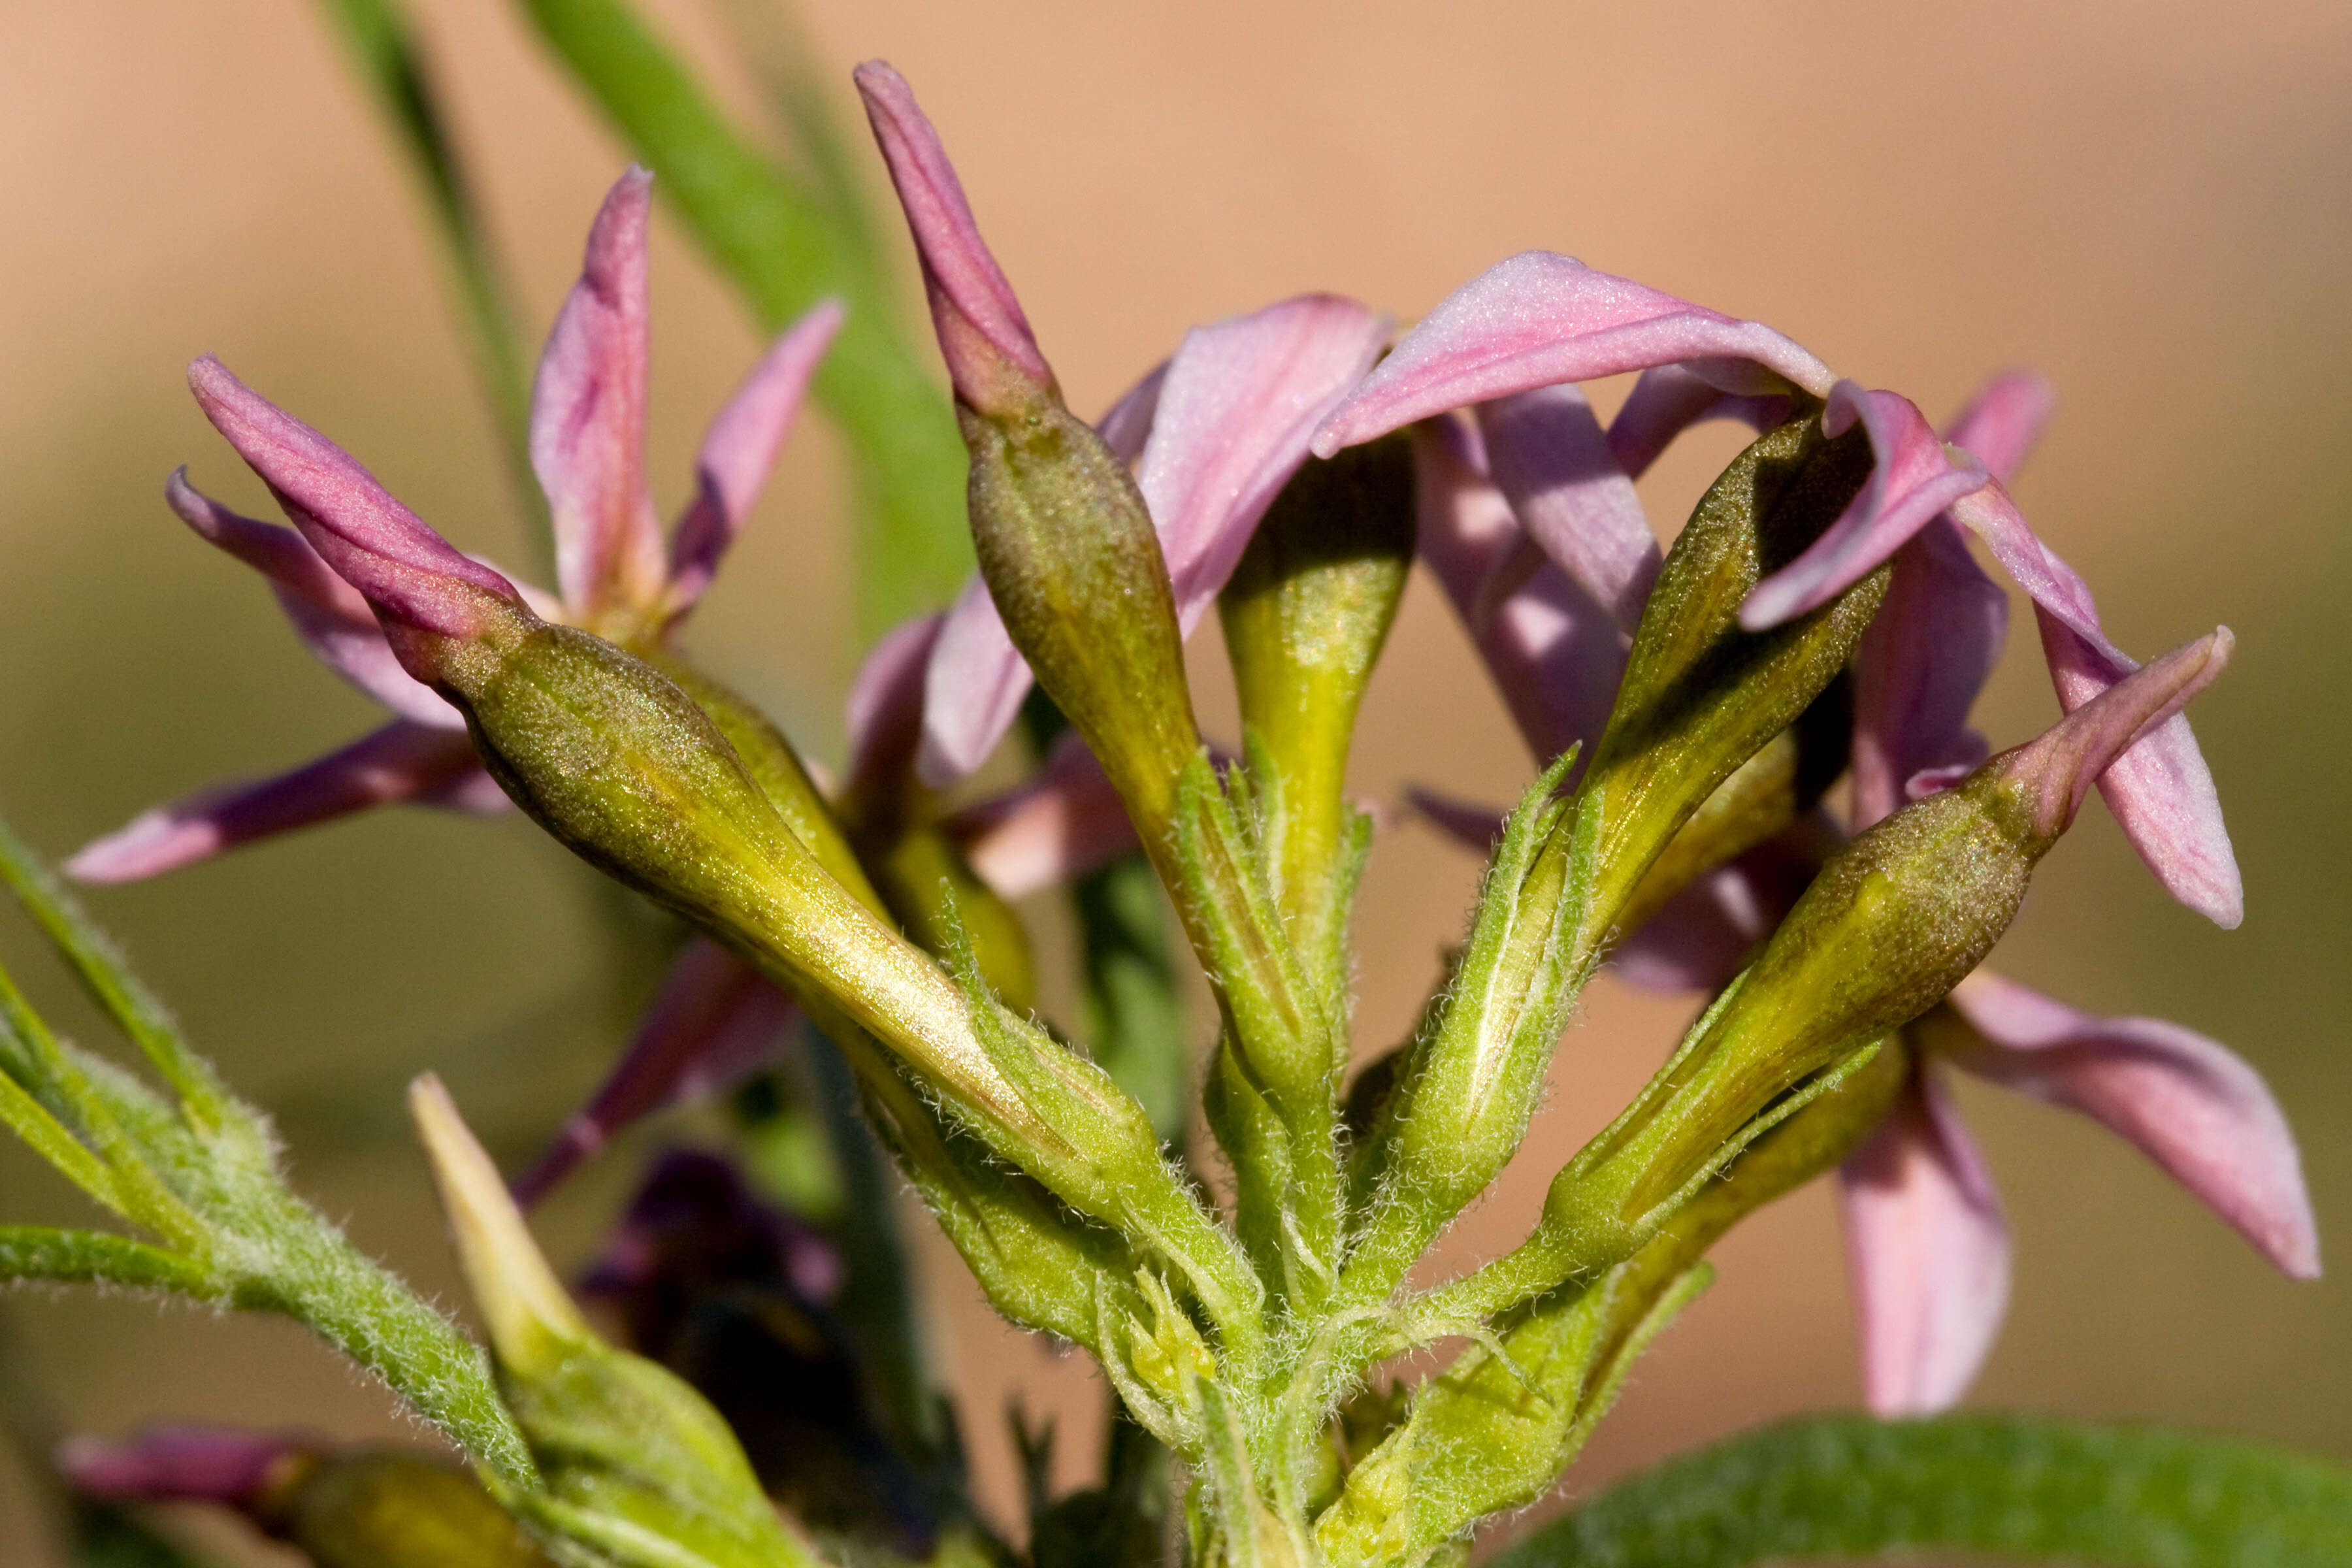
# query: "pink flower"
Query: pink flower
{"points": [[1538, 320], [617, 575], [1213, 434], [1925, 1233]]}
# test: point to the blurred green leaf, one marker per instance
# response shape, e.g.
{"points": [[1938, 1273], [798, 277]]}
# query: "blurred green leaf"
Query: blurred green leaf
{"points": [[385, 49], [2123, 1496], [784, 245]]}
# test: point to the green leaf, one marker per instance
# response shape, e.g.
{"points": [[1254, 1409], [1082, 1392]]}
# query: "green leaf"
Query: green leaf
{"points": [[94, 1258], [2128, 1497], [784, 246], [385, 49], [110, 982]]}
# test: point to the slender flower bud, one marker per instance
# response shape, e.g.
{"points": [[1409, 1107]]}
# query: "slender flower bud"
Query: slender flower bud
{"points": [[1065, 543], [627, 1449], [1305, 615], [1701, 695], [1891, 925]]}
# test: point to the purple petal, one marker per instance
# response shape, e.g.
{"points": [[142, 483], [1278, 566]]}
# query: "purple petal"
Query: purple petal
{"points": [[588, 418], [738, 451], [2164, 800], [1928, 1249], [2002, 424], [1539, 318], [410, 574], [1066, 822], [973, 688], [1547, 455], [2186, 1102], [716, 1022], [1913, 481], [885, 710], [1468, 823], [2061, 764], [1232, 416], [2161, 792], [183, 1463], [400, 762], [992, 355], [1668, 400], [329, 614], [1921, 664], [1555, 655], [1127, 426]]}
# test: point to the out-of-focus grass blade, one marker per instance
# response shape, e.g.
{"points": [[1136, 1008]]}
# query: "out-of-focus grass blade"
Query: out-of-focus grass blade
{"points": [[783, 245], [384, 46], [773, 43]]}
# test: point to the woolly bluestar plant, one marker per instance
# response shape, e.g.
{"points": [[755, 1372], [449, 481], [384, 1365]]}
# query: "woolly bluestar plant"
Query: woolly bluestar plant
{"points": [[742, 1388]]}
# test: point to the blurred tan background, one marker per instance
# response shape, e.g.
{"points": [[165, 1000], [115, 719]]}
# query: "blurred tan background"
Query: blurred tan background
{"points": [[2149, 202]]}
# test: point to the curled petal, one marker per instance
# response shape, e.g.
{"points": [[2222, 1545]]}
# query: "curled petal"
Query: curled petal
{"points": [[2002, 424], [401, 762], [972, 688], [739, 448], [1547, 455], [1927, 1248], [1066, 822], [1231, 424], [716, 1022], [2161, 794], [2186, 1102], [1538, 319], [408, 573], [1668, 400], [1555, 655], [588, 416], [2159, 791], [1914, 479], [992, 355], [1926, 654], [329, 614], [184, 1464], [2065, 761]]}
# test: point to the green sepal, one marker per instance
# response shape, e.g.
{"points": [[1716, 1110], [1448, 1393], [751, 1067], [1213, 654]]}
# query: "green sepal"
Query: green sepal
{"points": [[935, 896], [2019, 1487], [1305, 612], [1074, 567], [1465, 1092], [1700, 695], [1133, 1021], [95, 1257]]}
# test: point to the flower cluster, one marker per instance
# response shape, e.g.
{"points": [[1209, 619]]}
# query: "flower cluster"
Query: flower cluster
{"points": [[1691, 707]]}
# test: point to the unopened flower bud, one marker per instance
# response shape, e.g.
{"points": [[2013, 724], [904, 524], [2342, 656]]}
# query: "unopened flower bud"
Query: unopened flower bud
{"points": [[1305, 612], [628, 1450], [1066, 543], [1701, 695], [1892, 922]]}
